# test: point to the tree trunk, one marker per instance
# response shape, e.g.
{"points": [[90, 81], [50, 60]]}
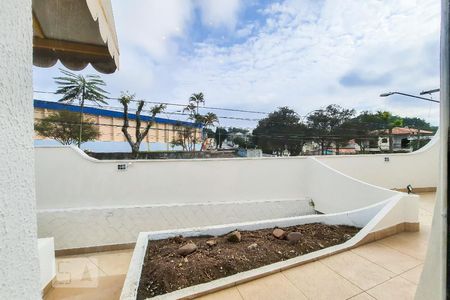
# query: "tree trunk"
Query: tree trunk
{"points": [[81, 120], [135, 151]]}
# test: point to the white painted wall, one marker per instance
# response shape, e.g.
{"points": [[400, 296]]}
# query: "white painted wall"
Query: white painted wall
{"points": [[77, 194], [19, 271], [68, 178], [78, 228], [46, 249], [420, 168], [333, 191]]}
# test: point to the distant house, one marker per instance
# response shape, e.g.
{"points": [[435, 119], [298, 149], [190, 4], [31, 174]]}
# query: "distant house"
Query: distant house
{"points": [[402, 138]]}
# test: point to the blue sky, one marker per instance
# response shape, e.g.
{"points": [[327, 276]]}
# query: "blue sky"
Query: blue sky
{"points": [[260, 55]]}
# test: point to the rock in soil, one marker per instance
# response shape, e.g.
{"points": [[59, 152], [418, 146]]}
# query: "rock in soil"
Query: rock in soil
{"points": [[252, 246], [234, 237], [187, 249], [279, 233], [294, 236], [211, 243], [347, 236]]}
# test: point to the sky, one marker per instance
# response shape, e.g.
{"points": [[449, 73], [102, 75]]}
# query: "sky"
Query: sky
{"points": [[260, 55]]}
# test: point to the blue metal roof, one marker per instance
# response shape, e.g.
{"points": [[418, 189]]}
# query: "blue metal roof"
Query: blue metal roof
{"points": [[107, 113]]}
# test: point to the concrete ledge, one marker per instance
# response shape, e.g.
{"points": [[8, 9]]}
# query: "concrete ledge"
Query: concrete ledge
{"points": [[387, 232], [86, 250], [371, 237], [418, 190], [47, 288]]}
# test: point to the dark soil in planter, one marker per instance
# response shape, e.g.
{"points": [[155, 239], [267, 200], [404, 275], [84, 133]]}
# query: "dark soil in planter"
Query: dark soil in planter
{"points": [[165, 271]]}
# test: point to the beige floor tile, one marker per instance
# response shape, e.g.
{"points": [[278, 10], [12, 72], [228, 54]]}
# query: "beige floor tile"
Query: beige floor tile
{"points": [[387, 257], [317, 282], [272, 287], [413, 275], [113, 262], [227, 294], [76, 272], [360, 271], [427, 201], [425, 218], [397, 288], [411, 243], [362, 296], [108, 288]]}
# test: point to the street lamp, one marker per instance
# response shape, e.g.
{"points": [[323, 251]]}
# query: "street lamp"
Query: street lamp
{"points": [[407, 95], [429, 92]]}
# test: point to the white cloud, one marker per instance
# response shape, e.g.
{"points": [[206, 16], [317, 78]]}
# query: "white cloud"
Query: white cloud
{"points": [[152, 24], [216, 13], [302, 53], [300, 57]]}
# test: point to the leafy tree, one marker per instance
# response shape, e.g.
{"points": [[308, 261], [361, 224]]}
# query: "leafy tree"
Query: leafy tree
{"points": [[125, 100], [63, 126], [417, 123], [237, 130], [280, 130], [243, 142], [220, 135], [360, 129], [209, 133], [76, 87], [326, 125], [185, 137]]}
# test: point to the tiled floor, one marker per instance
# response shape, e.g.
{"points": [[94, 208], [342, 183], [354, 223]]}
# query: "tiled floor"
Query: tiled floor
{"points": [[90, 276], [386, 269]]}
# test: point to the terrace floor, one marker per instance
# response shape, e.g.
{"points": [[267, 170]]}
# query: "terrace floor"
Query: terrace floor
{"points": [[385, 269]]}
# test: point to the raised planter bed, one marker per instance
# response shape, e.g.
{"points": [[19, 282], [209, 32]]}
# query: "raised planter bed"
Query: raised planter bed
{"points": [[146, 240], [179, 262], [375, 222]]}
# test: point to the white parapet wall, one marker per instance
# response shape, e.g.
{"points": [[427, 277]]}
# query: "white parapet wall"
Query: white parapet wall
{"points": [[83, 202], [420, 169], [46, 250]]}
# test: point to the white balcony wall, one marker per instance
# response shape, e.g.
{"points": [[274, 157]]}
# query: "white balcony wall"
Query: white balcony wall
{"points": [[68, 178], [83, 202], [335, 192], [420, 168]]}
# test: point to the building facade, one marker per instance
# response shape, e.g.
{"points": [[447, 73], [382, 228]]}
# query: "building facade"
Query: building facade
{"points": [[109, 122]]}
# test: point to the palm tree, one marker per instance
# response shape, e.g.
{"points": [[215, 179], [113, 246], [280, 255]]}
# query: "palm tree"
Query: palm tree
{"points": [[210, 119], [192, 109], [75, 87], [207, 120], [197, 99]]}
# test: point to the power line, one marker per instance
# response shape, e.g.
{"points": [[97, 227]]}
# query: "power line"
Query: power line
{"points": [[293, 137], [178, 104], [177, 113], [167, 113]]}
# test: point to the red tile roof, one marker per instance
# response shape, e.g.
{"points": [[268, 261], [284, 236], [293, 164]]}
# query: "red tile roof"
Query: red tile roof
{"points": [[403, 131]]}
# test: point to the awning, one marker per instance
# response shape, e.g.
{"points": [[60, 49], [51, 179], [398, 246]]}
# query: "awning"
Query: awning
{"points": [[76, 32]]}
